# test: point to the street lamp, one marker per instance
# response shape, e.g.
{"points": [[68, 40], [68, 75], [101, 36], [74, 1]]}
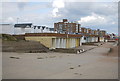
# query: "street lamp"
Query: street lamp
{"points": [[17, 20]]}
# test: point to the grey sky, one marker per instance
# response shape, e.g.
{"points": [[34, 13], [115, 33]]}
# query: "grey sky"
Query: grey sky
{"points": [[94, 15]]}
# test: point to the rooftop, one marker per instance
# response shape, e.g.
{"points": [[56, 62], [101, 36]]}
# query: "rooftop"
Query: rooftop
{"points": [[51, 29], [5, 24], [23, 25], [54, 34], [57, 35]]}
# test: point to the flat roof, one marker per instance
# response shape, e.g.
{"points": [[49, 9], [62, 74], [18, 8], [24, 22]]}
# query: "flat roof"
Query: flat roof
{"points": [[5, 24], [54, 34], [23, 25], [59, 35]]}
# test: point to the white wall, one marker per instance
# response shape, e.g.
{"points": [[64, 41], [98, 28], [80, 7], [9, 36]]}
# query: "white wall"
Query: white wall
{"points": [[53, 43], [93, 39], [82, 40], [96, 39], [73, 42], [57, 42], [89, 39], [46, 30], [64, 43], [60, 43], [7, 28], [36, 30], [21, 30]]}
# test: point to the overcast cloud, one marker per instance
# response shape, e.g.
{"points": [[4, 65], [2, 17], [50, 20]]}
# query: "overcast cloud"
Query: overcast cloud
{"points": [[94, 15]]}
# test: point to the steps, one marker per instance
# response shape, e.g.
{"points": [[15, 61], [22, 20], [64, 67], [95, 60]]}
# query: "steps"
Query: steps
{"points": [[23, 46]]}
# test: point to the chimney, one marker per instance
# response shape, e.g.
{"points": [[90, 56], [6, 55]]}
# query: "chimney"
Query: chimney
{"points": [[65, 20], [98, 29]]}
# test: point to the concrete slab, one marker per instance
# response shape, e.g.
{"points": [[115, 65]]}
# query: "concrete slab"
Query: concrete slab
{"points": [[89, 65]]}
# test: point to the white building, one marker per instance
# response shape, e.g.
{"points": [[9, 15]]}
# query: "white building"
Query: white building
{"points": [[42, 29], [23, 28], [7, 28], [52, 30], [85, 39]]}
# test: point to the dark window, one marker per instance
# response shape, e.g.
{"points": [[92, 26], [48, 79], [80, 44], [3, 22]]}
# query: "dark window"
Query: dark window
{"points": [[38, 27], [34, 27], [43, 27], [84, 38]]}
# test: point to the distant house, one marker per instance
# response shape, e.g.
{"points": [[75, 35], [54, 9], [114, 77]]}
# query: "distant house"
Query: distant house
{"points": [[90, 35], [23, 28], [41, 29], [7, 28], [38, 29], [51, 30], [82, 30], [30, 28], [112, 36]]}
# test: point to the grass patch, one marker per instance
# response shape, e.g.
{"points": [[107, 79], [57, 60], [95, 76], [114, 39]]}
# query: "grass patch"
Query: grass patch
{"points": [[40, 58], [7, 37], [110, 50], [52, 56], [15, 57], [76, 73], [71, 68], [79, 65]]}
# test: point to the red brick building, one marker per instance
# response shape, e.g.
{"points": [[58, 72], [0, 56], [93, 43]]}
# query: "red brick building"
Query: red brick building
{"points": [[66, 27]]}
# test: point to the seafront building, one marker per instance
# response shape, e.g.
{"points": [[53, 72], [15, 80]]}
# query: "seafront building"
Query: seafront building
{"points": [[68, 35], [66, 27], [55, 40], [22, 28], [7, 28], [65, 34]]}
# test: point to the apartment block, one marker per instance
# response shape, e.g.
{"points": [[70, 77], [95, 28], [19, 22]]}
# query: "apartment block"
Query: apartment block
{"points": [[83, 30], [66, 27], [101, 32]]}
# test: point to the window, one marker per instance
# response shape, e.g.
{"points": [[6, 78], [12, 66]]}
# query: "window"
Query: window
{"points": [[80, 29], [87, 31], [84, 38], [38, 27], [34, 27]]}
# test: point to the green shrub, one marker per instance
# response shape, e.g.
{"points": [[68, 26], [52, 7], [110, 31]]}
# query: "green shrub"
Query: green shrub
{"points": [[7, 37]]}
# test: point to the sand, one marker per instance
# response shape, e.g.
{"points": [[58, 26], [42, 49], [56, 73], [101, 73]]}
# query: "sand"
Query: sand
{"points": [[1, 66], [93, 64], [0, 59]]}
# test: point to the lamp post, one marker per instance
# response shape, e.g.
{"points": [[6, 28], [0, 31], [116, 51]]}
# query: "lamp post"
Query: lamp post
{"points": [[17, 20]]}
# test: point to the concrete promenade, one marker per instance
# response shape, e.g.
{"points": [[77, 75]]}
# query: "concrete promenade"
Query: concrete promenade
{"points": [[93, 64]]}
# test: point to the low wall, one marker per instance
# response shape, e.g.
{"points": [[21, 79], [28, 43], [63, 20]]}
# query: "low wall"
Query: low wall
{"points": [[23, 46], [20, 37], [68, 50]]}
